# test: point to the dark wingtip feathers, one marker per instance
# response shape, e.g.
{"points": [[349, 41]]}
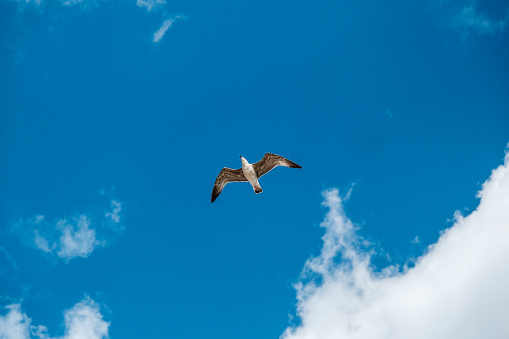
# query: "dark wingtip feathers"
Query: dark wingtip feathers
{"points": [[293, 165], [214, 195]]}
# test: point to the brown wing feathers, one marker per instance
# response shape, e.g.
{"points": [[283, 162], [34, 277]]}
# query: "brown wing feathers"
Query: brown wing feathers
{"points": [[225, 176], [269, 161]]}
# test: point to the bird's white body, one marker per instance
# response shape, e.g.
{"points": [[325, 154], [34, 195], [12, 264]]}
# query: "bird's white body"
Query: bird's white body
{"points": [[250, 175]]}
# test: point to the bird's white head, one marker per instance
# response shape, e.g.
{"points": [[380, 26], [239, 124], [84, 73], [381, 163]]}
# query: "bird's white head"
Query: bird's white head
{"points": [[244, 161]]}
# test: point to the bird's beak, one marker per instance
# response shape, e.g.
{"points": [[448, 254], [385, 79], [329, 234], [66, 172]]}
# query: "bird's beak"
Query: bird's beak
{"points": [[240, 155]]}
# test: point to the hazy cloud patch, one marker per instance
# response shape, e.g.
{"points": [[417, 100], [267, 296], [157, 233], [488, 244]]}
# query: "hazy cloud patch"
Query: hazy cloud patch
{"points": [[470, 21], [7, 262], [471, 18], [114, 215]]}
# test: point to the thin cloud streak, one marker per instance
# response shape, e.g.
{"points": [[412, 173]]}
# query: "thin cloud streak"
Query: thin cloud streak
{"points": [[161, 31], [458, 289]]}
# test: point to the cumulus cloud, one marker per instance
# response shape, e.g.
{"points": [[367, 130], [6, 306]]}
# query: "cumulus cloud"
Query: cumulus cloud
{"points": [[161, 31], [73, 237], [83, 320], [15, 324], [458, 289]]}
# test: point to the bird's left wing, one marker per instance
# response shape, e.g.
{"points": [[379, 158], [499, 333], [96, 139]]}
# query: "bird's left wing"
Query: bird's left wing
{"points": [[269, 161], [225, 176]]}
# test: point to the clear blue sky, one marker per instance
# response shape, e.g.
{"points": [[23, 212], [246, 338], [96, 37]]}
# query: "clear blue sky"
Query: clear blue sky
{"points": [[107, 116]]}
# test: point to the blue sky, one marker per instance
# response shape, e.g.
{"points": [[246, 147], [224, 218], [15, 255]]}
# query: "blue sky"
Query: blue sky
{"points": [[117, 116]]}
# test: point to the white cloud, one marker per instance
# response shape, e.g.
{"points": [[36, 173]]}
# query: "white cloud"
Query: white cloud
{"points": [[458, 289], [161, 31], [75, 237], [14, 325], [83, 321]]}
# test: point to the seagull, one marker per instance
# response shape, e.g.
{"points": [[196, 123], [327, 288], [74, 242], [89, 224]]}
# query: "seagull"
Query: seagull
{"points": [[250, 172]]}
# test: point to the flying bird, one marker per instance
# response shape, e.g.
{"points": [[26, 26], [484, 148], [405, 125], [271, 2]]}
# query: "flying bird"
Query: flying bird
{"points": [[250, 172]]}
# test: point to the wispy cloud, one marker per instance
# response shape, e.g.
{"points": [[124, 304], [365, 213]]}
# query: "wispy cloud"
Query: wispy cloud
{"points": [[161, 31], [83, 320], [152, 6], [73, 237], [73, 2], [37, 2], [149, 4], [6, 261], [458, 289]]}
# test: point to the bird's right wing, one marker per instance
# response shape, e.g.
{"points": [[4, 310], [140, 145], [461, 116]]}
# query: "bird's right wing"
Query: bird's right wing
{"points": [[269, 161], [225, 176]]}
